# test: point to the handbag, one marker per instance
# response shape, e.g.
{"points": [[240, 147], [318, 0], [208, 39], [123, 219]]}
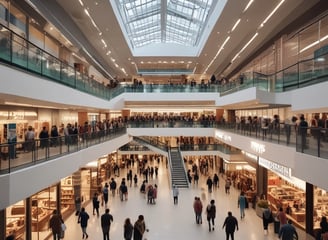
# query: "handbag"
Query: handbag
{"points": [[63, 227]]}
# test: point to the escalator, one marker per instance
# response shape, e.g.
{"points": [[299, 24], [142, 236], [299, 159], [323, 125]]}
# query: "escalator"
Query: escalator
{"points": [[177, 169]]}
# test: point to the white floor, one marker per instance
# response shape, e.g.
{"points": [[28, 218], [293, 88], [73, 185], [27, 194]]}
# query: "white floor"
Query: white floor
{"points": [[167, 221]]}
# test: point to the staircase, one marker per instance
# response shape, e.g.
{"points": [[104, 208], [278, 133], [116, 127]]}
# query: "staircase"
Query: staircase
{"points": [[177, 169], [178, 172]]}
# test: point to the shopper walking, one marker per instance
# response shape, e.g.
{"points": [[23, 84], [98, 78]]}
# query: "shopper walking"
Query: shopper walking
{"points": [[211, 214], [106, 220], [113, 186], [267, 218], [139, 228], [198, 209], [95, 204], [216, 180], [175, 194], [227, 186], [77, 202], [128, 229], [83, 221], [288, 232], [282, 217], [209, 184], [230, 224], [55, 223], [123, 191], [105, 193], [242, 204]]}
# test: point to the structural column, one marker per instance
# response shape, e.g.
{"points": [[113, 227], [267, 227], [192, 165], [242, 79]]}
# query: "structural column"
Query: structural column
{"points": [[125, 113], [3, 224], [219, 114], [261, 180], [82, 117], [309, 208]]}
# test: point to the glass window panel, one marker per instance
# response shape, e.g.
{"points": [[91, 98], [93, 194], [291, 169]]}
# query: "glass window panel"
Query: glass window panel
{"points": [[185, 18], [324, 32], [15, 220], [309, 39], [43, 204]]}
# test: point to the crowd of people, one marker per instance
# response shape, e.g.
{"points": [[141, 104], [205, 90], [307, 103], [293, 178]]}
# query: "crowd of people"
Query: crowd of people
{"points": [[148, 188]]}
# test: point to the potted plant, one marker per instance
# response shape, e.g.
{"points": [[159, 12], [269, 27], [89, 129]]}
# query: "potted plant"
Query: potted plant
{"points": [[260, 206]]}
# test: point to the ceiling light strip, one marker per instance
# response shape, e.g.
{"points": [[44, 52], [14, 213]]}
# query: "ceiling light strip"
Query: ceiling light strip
{"points": [[217, 54], [246, 45], [248, 5], [270, 15], [236, 24]]}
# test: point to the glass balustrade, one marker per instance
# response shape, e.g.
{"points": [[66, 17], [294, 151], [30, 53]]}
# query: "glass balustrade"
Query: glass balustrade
{"points": [[21, 53], [17, 155]]}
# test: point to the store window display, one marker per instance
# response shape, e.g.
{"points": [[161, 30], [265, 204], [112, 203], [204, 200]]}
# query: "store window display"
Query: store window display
{"points": [[15, 220], [43, 204], [287, 197], [320, 206]]}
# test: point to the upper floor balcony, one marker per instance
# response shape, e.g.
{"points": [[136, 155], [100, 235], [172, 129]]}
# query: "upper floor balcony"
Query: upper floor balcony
{"points": [[24, 55], [19, 155]]}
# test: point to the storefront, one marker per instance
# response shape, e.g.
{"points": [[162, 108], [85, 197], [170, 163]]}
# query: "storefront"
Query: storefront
{"points": [[286, 192], [30, 217]]}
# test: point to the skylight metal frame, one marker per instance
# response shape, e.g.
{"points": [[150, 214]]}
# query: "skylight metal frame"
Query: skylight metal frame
{"points": [[165, 21]]}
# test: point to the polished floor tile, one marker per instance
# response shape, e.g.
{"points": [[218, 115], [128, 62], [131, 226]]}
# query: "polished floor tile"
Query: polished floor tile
{"points": [[167, 221]]}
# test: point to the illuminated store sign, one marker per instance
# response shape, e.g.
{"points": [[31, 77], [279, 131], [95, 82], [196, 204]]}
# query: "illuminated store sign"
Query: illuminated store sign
{"points": [[283, 172], [223, 136], [257, 147], [251, 156], [275, 167]]}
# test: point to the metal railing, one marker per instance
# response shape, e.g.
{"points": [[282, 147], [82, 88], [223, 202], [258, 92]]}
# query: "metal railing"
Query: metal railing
{"points": [[18, 155]]}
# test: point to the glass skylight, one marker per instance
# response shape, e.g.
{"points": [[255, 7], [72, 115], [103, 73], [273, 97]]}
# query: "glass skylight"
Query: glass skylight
{"points": [[165, 21]]}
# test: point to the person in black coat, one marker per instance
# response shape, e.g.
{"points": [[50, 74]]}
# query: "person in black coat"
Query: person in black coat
{"points": [[106, 220], [230, 224], [128, 229], [95, 204]]}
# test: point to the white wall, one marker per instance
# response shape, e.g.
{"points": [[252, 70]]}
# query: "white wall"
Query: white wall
{"points": [[28, 181]]}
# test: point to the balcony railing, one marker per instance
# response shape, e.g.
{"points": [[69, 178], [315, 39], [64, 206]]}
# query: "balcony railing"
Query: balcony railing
{"points": [[19, 52], [18, 155]]}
